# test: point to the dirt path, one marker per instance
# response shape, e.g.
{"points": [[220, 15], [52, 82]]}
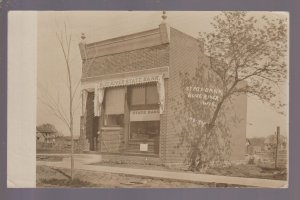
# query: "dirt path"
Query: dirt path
{"points": [[56, 177], [168, 175]]}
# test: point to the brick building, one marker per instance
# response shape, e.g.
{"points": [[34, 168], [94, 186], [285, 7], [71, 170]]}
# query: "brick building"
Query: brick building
{"points": [[128, 84]]}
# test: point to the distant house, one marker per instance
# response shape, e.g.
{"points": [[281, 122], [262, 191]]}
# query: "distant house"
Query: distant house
{"points": [[46, 133], [255, 145], [270, 143]]}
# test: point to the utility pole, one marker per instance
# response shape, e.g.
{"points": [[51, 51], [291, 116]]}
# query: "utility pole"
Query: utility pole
{"points": [[277, 143]]}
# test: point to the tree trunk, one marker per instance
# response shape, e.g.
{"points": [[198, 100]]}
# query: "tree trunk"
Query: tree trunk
{"points": [[71, 121], [196, 152]]}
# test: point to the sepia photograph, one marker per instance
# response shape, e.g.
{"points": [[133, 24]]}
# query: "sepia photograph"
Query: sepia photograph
{"points": [[162, 99]]}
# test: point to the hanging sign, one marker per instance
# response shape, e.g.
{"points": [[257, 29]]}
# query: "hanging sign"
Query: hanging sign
{"points": [[144, 115]]}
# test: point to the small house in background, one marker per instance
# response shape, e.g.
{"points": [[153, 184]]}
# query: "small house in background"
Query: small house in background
{"points": [[255, 145], [46, 133], [127, 86], [271, 142], [267, 151]]}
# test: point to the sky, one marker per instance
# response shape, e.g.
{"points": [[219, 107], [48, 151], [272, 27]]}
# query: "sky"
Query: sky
{"points": [[100, 25]]}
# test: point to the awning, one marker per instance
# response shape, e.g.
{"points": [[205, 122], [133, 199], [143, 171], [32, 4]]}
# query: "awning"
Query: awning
{"points": [[161, 93], [98, 99]]}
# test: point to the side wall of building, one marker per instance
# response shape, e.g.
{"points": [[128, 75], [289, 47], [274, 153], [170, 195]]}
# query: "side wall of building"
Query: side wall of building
{"points": [[238, 125], [185, 56]]}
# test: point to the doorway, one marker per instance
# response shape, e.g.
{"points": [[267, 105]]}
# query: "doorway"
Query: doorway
{"points": [[92, 123]]}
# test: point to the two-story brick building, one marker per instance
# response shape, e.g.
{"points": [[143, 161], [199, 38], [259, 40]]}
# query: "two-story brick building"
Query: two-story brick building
{"points": [[128, 87]]}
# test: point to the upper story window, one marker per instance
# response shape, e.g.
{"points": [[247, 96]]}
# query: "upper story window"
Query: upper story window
{"points": [[144, 95]]}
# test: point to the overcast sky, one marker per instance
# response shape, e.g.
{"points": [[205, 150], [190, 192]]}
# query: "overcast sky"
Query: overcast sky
{"points": [[99, 25]]}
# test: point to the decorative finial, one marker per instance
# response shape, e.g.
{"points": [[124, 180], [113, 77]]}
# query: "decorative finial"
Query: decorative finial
{"points": [[83, 36], [164, 16]]}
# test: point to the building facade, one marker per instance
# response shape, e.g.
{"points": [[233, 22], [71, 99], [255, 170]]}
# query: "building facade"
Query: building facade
{"points": [[129, 85]]}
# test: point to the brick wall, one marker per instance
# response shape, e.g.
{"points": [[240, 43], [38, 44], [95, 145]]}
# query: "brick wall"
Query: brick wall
{"points": [[112, 141], [163, 126], [140, 59], [237, 120], [184, 52], [186, 56]]}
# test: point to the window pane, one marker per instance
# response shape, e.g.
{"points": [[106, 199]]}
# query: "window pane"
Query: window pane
{"points": [[138, 96], [114, 120], [144, 130], [152, 95], [114, 101]]}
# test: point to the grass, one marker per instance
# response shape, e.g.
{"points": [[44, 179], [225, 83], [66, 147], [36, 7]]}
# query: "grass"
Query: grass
{"points": [[67, 182], [52, 158], [250, 171]]}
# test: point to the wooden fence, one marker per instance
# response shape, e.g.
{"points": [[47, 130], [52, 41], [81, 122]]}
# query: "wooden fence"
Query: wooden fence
{"points": [[268, 158]]}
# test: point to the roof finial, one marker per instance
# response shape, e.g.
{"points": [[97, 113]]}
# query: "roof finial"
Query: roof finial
{"points": [[164, 16], [83, 36]]}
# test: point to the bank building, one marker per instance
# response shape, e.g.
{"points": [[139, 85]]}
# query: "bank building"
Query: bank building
{"points": [[129, 88]]}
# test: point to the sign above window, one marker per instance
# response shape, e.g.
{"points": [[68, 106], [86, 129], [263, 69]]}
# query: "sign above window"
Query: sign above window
{"points": [[144, 115], [129, 81]]}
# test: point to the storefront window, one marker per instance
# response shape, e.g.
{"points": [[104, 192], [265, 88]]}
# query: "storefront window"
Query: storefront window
{"points": [[144, 130], [114, 120], [114, 106], [144, 112]]}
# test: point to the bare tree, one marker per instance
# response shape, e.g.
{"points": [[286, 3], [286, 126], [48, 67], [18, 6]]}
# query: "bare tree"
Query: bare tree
{"points": [[247, 55], [65, 44], [55, 105]]}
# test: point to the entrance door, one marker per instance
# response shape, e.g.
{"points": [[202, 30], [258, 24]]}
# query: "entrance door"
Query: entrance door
{"points": [[91, 123]]}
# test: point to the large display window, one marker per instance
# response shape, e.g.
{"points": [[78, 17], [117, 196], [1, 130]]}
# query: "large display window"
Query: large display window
{"points": [[144, 112]]}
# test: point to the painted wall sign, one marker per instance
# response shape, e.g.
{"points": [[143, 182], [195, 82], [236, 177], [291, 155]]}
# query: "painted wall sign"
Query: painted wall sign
{"points": [[207, 96], [197, 122], [215, 91], [144, 115]]}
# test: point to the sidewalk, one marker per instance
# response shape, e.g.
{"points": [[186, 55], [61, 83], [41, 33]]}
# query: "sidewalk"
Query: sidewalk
{"points": [[181, 176]]}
